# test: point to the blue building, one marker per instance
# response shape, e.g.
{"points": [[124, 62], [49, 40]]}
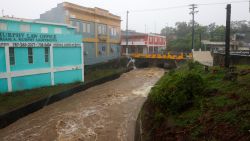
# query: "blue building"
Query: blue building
{"points": [[36, 54]]}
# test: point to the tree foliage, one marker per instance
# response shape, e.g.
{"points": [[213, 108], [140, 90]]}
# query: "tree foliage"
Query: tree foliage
{"points": [[180, 36]]}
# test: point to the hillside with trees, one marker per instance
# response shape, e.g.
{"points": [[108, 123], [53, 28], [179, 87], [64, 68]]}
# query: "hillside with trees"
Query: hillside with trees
{"points": [[180, 36]]}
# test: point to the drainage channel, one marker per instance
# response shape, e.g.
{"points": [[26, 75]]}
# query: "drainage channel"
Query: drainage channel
{"points": [[102, 113]]}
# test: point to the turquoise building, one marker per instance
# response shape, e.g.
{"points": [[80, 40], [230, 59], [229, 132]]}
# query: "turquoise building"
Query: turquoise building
{"points": [[36, 54]]}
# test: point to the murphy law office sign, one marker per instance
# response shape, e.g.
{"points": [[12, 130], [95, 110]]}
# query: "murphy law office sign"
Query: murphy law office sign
{"points": [[35, 39], [27, 37]]}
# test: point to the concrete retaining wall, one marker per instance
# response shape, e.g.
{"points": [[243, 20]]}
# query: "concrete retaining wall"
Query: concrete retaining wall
{"points": [[234, 60]]}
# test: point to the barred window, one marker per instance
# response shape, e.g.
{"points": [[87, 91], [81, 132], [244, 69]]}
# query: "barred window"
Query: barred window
{"points": [[12, 56], [46, 54], [30, 55]]}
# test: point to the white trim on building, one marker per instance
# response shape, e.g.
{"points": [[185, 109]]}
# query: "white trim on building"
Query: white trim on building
{"points": [[9, 74]]}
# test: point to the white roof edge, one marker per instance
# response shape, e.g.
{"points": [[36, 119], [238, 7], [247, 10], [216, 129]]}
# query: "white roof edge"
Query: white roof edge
{"points": [[152, 34], [35, 21]]}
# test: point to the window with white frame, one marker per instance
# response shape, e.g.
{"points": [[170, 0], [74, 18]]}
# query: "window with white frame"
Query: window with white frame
{"points": [[99, 29], [44, 30], [58, 31], [77, 27], [3, 26], [12, 56], [25, 28], [84, 27], [46, 54], [30, 55], [71, 23], [155, 39], [88, 28], [102, 29], [113, 31], [150, 39]]}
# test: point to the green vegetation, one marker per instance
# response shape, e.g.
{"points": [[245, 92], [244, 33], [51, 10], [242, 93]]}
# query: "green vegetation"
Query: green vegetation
{"points": [[11, 101], [180, 36], [195, 105]]}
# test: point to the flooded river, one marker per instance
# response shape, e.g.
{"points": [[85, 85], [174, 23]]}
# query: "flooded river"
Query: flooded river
{"points": [[106, 112]]}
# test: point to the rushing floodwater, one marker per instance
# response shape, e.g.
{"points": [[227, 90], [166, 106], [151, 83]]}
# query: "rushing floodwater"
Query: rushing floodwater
{"points": [[106, 112]]}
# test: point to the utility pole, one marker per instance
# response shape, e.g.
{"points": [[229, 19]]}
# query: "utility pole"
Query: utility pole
{"points": [[200, 41], [227, 39], [166, 36], [193, 7], [127, 34], [249, 6]]}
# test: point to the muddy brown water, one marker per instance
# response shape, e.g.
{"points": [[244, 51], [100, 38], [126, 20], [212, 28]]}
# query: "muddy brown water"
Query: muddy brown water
{"points": [[106, 112]]}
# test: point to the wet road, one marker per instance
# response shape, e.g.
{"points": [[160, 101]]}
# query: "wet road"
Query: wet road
{"points": [[105, 112]]}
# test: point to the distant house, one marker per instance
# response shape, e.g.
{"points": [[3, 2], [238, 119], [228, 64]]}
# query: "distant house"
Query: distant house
{"points": [[220, 46], [99, 28], [36, 54], [142, 43]]}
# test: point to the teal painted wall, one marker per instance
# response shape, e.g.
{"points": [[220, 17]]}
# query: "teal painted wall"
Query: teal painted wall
{"points": [[63, 56], [14, 26], [67, 56], [21, 59], [31, 81], [3, 86], [60, 38], [2, 60], [68, 76]]}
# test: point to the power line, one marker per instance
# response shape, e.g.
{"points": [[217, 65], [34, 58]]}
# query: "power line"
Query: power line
{"points": [[219, 3], [182, 6], [159, 9]]}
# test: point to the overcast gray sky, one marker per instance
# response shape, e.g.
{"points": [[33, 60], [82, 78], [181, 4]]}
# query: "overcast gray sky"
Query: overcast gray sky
{"points": [[152, 20]]}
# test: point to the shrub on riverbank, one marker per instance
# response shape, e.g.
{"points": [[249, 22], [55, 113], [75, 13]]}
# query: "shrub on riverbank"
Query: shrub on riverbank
{"points": [[192, 104], [177, 91]]}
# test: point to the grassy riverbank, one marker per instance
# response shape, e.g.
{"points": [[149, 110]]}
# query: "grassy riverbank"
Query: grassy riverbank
{"points": [[193, 104], [11, 101]]}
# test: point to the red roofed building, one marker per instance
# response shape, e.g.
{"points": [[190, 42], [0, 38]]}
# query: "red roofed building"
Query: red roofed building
{"points": [[142, 43]]}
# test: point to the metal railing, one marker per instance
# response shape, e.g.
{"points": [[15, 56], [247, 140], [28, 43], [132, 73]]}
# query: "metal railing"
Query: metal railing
{"points": [[168, 56]]}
